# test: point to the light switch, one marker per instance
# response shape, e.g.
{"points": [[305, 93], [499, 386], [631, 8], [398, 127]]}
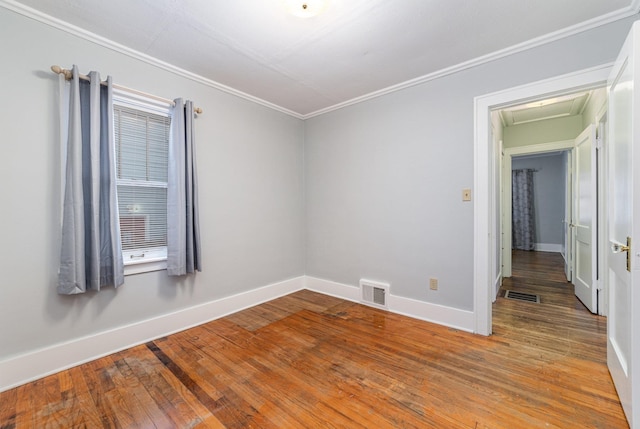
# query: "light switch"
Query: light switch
{"points": [[466, 195]]}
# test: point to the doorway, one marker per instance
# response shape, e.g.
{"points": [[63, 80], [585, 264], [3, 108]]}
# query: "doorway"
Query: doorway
{"points": [[487, 239], [561, 210], [620, 267], [558, 147]]}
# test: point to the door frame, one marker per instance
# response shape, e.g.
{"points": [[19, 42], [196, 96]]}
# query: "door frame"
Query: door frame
{"points": [[567, 222], [485, 205], [509, 153], [601, 124]]}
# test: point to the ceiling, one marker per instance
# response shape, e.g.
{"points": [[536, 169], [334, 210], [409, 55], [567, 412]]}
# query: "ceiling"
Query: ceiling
{"points": [[540, 110], [303, 66]]}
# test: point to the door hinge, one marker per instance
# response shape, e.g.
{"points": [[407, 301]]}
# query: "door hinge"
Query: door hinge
{"points": [[599, 285], [599, 143]]}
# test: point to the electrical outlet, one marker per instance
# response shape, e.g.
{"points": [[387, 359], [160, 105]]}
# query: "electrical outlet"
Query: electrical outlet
{"points": [[433, 284], [466, 194]]}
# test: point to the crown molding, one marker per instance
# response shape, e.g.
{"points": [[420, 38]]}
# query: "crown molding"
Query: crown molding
{"points": [[632, 9], [114, 46]]}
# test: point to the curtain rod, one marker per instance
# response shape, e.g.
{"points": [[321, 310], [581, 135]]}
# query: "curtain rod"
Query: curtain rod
{"points": [[68, 75]]}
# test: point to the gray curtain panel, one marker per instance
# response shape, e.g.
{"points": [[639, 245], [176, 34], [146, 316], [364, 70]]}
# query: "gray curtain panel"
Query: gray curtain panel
{"points": [[183, 225], [91, 255], [523, 220]]}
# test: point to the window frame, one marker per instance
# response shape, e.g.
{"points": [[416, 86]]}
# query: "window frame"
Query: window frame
{"points": [[154, 258]]}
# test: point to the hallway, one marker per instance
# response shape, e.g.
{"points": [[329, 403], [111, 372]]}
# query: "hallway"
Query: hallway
{"points": [[559, 336], [542, 273]]}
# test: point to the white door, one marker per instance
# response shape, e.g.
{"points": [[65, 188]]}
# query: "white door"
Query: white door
{"points": [[623, 322], [567, 222], [585, 209]]}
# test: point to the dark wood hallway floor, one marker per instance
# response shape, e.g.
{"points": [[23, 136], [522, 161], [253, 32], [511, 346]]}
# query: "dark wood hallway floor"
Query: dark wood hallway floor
{"points": [[313, 361]]}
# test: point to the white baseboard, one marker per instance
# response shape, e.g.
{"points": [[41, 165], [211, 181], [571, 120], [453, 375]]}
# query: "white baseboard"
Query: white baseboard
{"points": [[548, 247], [440, 314], [36, 364], [33, 365], [327, 287], [496, 286]]}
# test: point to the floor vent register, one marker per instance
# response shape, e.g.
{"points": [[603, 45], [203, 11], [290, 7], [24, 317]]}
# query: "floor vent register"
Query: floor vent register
{"points": [[521, 296]]}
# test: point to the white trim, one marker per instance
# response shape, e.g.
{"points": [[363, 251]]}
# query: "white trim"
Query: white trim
{"points": [[603, 227], [483, 105], [435, 313], [40, 363], [548, 247], [539, 148], [496, 197], [132, 100], [631, 10], [29, 12], [36, 364], [506, 216], [328, 287], [496, 286], [117, 47], [145, 266]]}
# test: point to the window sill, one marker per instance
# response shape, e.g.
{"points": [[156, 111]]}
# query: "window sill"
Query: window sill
{"points": [[139, 267], [144, 260]]}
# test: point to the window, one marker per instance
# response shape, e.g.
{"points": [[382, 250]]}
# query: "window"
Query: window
{"points": [[141, 133]]}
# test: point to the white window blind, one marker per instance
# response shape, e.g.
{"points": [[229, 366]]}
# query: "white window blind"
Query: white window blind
{"points": [[142, 140]]}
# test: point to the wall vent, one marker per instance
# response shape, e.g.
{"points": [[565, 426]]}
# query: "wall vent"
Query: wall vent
{"points": [[374, 293]]}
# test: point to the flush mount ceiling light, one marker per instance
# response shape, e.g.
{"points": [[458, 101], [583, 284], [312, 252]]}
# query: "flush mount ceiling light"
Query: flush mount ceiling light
{"points": [[305, 8]]}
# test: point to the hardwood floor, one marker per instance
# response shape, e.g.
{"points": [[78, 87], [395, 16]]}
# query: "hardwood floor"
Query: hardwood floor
{"points": [[312, 361]]}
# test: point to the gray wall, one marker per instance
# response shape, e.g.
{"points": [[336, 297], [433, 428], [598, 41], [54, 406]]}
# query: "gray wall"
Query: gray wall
{"points": [[549, 194], [384, 177], [250, 165], [382, 180]]}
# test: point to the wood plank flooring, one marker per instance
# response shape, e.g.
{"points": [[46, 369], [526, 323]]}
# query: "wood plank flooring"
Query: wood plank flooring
{"points": [[312, 361]]}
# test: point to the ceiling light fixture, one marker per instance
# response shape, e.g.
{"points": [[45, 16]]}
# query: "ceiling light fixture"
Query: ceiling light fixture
{"points": [[305, 8]]}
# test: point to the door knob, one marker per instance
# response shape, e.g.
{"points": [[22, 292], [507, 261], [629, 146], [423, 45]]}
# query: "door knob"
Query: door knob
{"points": [[619, 248]]}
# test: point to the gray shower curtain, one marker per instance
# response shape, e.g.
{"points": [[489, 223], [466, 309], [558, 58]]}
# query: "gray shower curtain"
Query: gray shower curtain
{"points": [[522, 218]]}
